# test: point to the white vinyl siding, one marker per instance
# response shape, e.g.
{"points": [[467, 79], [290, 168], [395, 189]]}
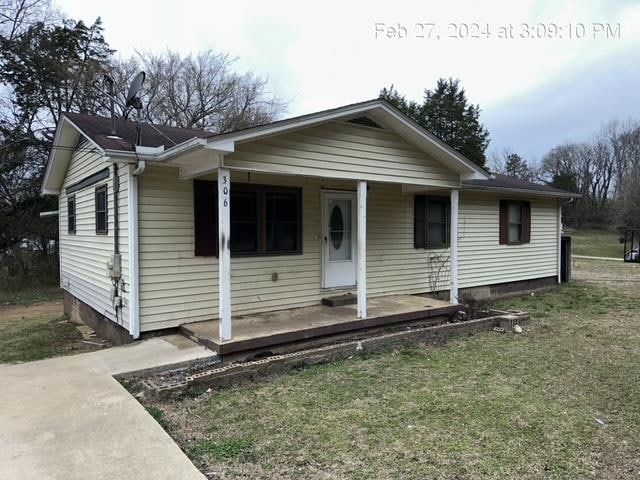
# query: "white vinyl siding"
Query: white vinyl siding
{"points": [[343, 151], [84, 255], [177, 287], [483, 261]]}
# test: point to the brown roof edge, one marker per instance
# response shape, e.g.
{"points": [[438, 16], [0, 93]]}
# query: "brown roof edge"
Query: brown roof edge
{"points": [[515, 185]]}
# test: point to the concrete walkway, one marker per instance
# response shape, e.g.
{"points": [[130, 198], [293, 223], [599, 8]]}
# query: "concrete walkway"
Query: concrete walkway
{"points": [[68, 418]]}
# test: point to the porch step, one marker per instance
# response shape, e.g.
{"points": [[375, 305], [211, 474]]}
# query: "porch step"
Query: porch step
{"points": [[340, 300]]}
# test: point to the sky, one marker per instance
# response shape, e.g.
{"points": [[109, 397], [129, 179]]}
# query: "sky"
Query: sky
{"points": [[543, 72]]}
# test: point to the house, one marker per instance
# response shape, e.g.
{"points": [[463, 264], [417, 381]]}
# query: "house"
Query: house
{"points": [[189, 226]]}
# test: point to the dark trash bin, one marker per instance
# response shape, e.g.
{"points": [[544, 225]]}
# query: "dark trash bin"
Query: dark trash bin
{"points": [[565, 259]]}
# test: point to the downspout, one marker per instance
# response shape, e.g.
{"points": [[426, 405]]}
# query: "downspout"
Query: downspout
{"points": [[134, 260], [116, 278], [140, 167], [116, 218]]}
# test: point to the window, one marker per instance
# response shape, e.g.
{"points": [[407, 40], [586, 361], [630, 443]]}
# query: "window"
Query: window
{"points": [[431, 221], [264, 220], [102, 222], [282, 221], [515, 222], [244, 221], [71, 214]]}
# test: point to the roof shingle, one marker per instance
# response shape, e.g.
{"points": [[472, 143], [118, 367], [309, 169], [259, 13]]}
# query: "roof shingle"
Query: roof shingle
{"points": [[98, 129]]}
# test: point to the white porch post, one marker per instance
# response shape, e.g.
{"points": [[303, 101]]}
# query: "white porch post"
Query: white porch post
{"points": [[453, 292], [224, 253], [362, 249]]}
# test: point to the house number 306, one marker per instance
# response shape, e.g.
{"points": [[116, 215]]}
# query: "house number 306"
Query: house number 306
{"points": [[225, 192]]}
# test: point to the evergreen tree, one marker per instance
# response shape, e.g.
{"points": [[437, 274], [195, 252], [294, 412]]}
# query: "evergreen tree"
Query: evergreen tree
{"points": [[44, 71], [516, 166], [52, 69], [446, 113]]}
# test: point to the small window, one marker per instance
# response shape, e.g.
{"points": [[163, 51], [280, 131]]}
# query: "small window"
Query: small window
{"points": [[71, 214], [515, 222], [431, 222], [102, 220]]}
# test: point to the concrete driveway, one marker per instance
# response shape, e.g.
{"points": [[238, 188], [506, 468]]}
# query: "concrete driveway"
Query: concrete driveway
{"points": [[68, 418]]}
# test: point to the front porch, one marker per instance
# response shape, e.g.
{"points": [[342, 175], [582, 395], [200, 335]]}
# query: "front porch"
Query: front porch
{"points": [[318, 323]]}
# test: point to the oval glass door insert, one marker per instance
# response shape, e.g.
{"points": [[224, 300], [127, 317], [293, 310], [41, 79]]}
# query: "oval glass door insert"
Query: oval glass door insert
{"points": [[336, 227]]}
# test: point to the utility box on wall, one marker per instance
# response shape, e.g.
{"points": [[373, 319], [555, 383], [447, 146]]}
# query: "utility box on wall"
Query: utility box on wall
{"points": [[565, 259]]}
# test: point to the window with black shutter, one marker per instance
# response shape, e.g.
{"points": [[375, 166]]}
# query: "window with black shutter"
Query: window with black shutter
{"points": [[102, 209], [71, 214], [515, 222], [264, 220], [431, 221]]}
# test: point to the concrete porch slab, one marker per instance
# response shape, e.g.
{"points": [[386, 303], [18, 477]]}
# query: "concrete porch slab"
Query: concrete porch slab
{"points": [[262, 330]]}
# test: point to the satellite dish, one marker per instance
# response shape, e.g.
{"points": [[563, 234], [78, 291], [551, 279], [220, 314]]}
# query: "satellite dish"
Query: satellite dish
{"points": [[136, 85]]}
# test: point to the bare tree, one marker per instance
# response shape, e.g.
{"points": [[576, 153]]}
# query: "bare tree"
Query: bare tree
{"points": [[603, 171], [18, 15], [199, 91]]}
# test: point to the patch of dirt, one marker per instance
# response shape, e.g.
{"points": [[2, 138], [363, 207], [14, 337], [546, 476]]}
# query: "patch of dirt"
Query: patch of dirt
{"points": [[605, 271], [16, 312]]}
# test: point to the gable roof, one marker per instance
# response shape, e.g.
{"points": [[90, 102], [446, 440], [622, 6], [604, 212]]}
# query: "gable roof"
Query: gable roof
{"points": [[181, 145], [505, 183]]}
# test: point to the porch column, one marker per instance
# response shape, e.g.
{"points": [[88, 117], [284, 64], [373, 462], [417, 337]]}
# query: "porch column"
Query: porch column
{"points": [[453, 292], [224, 253], [362, 249]]}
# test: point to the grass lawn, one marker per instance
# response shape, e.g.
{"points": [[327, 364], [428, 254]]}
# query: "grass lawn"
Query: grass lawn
{"points": [[485, 406], [33, 327], [37, 337], [28, 296], [596, 243]]}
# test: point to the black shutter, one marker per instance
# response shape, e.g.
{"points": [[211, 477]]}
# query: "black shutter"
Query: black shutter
{"points": [[526, 222], [419, 222], [205, 210], [504, 222]]}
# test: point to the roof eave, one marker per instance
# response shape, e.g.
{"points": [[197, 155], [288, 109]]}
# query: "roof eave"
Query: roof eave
{"points": [[46, 189], [519, 191], [51, 185], [473, 171]]}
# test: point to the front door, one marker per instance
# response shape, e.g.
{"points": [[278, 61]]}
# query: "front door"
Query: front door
{"points": [[339, 238]]}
